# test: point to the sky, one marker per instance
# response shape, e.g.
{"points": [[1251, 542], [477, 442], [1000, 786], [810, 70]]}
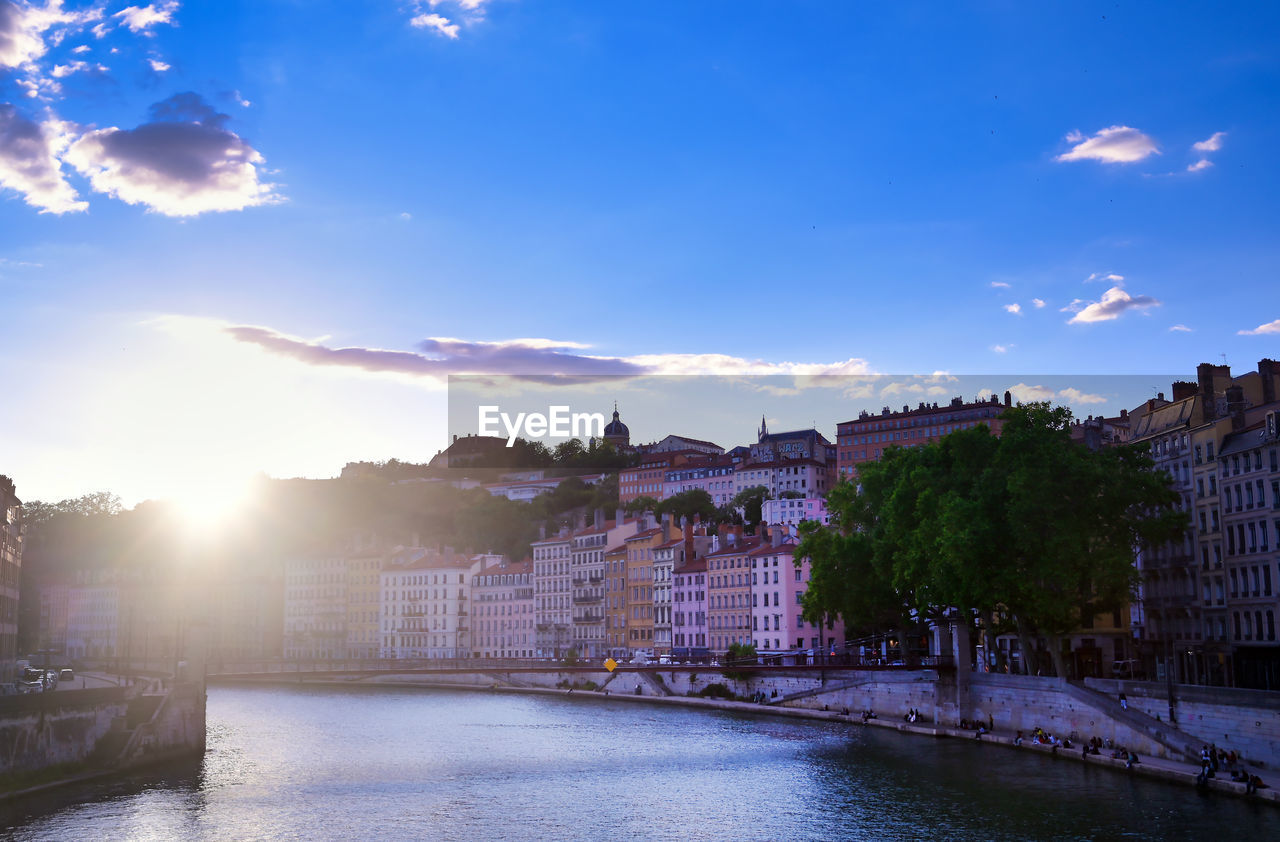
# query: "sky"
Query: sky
{"points": [[258, 237]]}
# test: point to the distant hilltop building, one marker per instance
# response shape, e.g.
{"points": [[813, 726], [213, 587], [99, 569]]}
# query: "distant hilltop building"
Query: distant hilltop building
{"points": [[793, 444], [616, 433], [865, 438], [465, 451]]}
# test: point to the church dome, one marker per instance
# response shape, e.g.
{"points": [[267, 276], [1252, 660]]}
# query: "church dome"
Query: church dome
{"points": [[615, 429]]}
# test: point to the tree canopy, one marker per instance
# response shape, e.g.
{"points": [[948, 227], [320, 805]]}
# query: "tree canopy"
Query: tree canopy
{"points": [[1027, 527]]}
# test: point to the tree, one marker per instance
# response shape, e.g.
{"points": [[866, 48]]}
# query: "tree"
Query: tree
{"points": [[1027, 528], [740, 654], [750, 501], [694, 503], [643, 503]]}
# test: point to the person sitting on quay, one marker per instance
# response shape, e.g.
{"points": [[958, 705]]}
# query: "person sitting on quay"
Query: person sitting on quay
{"points": [[1255, 783], [1130, 760], [1017, 741]]}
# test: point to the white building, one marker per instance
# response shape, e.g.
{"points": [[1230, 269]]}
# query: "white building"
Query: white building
{"points": [[791, 511], [806, 476], [425, 600]]}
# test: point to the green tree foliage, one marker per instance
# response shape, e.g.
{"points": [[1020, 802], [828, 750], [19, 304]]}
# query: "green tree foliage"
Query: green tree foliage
{"points": [[750, 501], [740, 655], [1027, 526], [643, 503], [695, 502]]}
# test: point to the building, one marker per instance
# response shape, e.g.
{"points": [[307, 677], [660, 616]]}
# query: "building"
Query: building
{"points": [[669, 557], [1249, 485], [524, 490], [793, 444], [792, 511], [315, 607], [587, 569], [729, 592], [615, 601], [778, 586], [646, 479], [1183, 622], [502, 606], [641, 552], [865, 438], [712, 474], [616, 433], [684, 443], [364, 595], [689, 610], [11, 538], [425, 604], [804, 476], [552, 595]]}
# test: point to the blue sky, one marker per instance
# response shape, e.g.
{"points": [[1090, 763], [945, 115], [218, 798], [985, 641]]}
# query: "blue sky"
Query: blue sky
{"points": [[200, 203]]}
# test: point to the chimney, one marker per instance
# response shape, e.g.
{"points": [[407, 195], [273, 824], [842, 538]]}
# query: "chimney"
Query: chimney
{"points": [[776, 535], [542, 532], [763, 531], [599, 519], [1206, 376], [666, 523], [1183, 389], [1008, 399], [1267, 370], [1235, 407], [619, 516]]}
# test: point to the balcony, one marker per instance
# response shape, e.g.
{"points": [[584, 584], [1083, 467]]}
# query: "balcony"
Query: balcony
{"points": [[579, 581], [587, 599], [589, 617], [596, 579]]}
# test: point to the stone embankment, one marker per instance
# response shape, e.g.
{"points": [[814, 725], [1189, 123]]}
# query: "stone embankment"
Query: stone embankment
{"points": [[50, 739]]}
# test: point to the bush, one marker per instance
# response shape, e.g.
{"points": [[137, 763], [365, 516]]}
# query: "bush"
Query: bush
{"points": [[716, 691]]}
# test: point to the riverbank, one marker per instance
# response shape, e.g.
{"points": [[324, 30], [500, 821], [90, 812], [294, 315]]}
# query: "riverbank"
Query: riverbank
{"points": [[1156, 768]]}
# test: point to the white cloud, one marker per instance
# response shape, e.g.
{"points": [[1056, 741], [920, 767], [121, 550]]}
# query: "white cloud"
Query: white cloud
{"points": [[142, 18], [23, 28], [441, 24], [81, 50], [1025, 393], [1072, 395], [1038, 302], [999, 285], [1014, 308], [1114, 145], [157, 65], [61, 71], [1109, 277], [1110, 306], [29, 164], [406, 216], [1202, 164], [461, 13], [1001, 349], [1269, 327], [1213, 144], [182, 164], [1180, 329]]}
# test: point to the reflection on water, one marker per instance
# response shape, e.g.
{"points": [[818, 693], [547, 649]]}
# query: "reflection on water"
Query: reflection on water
{"points": [[308, 763]]}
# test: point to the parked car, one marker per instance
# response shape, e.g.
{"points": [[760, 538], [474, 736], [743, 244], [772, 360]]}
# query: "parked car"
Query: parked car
{"points": [[66, 674]]}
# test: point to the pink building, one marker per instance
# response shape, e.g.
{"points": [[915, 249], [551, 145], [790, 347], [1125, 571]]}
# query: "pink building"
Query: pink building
{"points": [[777, 587], [689, 610], [502, 605]]}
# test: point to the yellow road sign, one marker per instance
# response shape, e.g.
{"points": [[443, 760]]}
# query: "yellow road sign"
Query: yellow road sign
{"points": [[610, 664]]}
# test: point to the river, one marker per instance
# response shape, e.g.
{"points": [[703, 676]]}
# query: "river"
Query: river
{"points": [[382, 763]]}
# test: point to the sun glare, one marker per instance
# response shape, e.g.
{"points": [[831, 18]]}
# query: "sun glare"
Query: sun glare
{"points": [[208, 504]]}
